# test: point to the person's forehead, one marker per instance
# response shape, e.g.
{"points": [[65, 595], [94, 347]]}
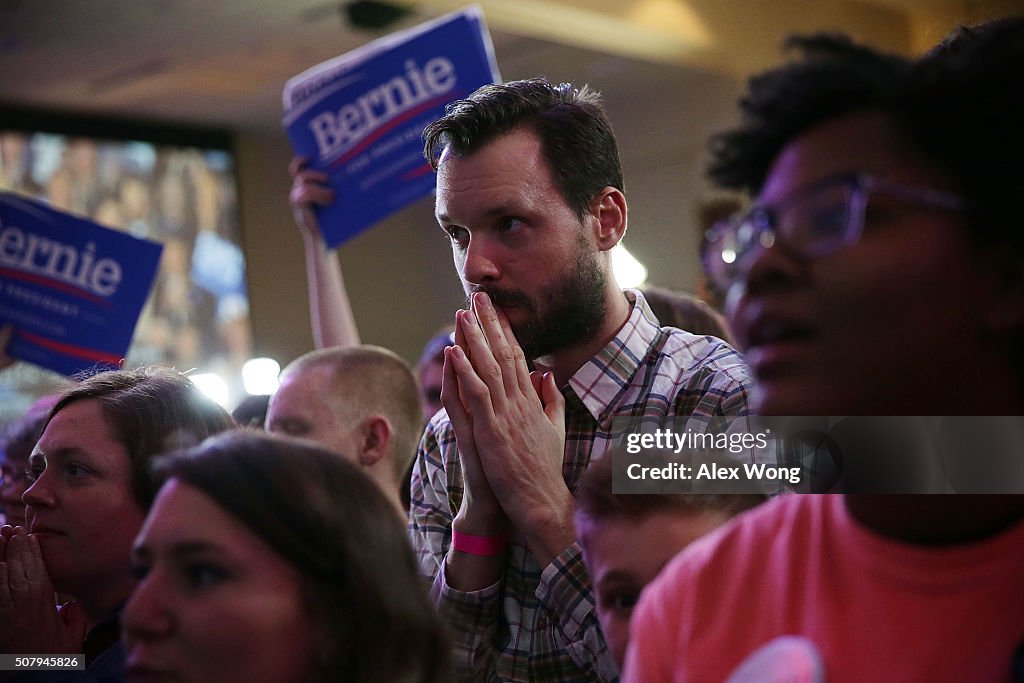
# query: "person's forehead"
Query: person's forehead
{"points": [[520, 143], [615, 548], [185, 515], [505, 172], [80, 422], [311, 395], [865, 141], [297, 396], [81, 430], [311, 379], [431, 373], [168, 510]]}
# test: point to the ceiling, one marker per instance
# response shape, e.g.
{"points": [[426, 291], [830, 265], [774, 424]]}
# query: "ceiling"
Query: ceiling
{"points": [[223, 62], [669, 69]]}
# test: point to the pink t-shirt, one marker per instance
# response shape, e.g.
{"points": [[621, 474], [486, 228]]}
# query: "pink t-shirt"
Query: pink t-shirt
{"points": [[874, 609]]}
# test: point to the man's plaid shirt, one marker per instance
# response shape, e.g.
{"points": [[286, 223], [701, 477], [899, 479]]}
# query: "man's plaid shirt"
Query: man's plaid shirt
{"points": [[538, 623]]}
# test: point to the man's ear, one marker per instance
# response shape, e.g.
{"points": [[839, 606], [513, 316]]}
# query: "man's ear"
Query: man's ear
{"points": [[375, 437], [609, 211]]}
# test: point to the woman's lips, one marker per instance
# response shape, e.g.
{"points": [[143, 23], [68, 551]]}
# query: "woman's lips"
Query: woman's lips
{"points": [[776, 344]]}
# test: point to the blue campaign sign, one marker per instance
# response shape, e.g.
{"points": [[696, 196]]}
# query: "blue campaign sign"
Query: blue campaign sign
{"points": [[71, 289], [359, 117]]}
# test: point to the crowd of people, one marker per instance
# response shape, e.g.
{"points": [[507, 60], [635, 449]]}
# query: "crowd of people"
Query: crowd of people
{"points": [[460, 520]]}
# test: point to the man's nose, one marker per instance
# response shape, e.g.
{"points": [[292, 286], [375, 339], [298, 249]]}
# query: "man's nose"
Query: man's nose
{"points": [[481, 261]]}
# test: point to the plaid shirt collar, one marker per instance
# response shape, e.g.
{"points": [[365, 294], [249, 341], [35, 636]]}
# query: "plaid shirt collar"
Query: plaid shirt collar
{"points": [[603, 378]]}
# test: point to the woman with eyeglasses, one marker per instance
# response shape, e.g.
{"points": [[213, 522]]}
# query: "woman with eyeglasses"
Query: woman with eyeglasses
{"points": [[268, 559], [880, 273]]}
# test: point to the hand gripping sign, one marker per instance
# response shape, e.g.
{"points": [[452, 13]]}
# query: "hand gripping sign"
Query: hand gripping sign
{"points": [[359, 117]]}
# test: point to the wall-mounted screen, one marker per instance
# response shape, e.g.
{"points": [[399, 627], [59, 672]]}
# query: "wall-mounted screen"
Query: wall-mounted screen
{"points": [[176, 186]]}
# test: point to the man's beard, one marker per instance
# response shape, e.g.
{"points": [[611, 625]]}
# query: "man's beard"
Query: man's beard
{"points": [[568, 311]]}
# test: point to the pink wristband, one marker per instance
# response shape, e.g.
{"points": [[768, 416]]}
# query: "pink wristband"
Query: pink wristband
{"points": [[484, 546]]}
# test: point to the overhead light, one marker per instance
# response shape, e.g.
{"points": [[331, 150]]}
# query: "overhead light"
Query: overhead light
{"points": [[260, 376], [213, 386], [629, 272]]}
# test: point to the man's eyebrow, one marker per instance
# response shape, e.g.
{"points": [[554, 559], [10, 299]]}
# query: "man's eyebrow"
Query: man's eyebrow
{"points": [[499, 210], [288, 422]]}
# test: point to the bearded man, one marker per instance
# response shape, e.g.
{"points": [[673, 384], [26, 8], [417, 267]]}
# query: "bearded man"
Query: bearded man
{"points": [[550, 351]]}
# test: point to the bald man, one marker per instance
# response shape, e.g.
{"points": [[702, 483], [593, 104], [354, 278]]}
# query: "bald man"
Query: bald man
{"points": [[361, 401]]}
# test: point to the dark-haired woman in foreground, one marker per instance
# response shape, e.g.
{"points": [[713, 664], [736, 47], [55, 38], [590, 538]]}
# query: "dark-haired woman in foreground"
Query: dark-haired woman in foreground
{"points": [[266, 559]]}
